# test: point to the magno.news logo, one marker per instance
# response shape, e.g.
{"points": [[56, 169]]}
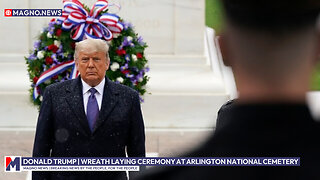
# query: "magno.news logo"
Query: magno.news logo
{"points": [[32, 12], [12, 163], [8, 12]]}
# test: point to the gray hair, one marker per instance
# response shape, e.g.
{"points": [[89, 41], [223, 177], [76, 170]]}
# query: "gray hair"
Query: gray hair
{"points": [[98, 44]]}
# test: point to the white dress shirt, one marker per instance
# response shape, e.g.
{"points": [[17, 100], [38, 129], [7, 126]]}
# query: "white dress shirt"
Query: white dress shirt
{"points": [[87, 93]]}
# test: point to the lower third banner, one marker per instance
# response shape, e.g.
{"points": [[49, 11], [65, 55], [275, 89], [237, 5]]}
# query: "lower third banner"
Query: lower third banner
{"points": [[18, 163]]}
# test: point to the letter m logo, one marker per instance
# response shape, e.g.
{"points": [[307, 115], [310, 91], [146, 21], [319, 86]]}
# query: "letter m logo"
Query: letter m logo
{"points": [[12, 163]]}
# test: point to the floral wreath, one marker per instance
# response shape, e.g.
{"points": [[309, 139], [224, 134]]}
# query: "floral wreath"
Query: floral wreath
{"points": [[52, 61]]}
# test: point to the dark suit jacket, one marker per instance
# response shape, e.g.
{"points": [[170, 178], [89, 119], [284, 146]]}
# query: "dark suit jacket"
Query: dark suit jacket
{"points": [[63, 130], [224, 115], [256, 130]]}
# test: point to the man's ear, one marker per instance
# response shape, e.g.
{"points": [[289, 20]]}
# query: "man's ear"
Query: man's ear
{"points": [[223, 49], [77, 63], [108, 64]]}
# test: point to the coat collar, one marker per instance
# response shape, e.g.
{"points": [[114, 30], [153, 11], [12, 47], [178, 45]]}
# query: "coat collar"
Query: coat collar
{"points": [[75, 100]]}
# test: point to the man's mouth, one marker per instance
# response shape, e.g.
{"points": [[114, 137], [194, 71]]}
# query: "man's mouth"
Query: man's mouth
{"points": [[91, 73]]}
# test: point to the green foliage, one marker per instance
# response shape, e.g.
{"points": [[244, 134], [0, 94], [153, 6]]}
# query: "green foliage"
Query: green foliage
{"points": [[315, 82], [214, 15], [214, 19], [134, 60]]}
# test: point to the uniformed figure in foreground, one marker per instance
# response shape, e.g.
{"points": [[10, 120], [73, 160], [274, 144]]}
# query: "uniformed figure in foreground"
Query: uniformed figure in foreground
{"points": [[272, 47]]}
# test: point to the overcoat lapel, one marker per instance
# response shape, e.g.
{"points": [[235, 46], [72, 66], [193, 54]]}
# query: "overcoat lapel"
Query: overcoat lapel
{"points": [[74, 98], [109, 100]]}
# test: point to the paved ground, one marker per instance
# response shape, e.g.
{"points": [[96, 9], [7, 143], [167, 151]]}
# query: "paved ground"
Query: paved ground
{"points": [[158, 142], [15, 143]]}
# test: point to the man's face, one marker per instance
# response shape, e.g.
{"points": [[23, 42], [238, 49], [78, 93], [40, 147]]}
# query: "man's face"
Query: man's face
{"points": [[92, 66]]}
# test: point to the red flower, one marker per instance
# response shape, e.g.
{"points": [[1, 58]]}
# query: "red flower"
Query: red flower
{"points": [[73, 45], [121, 52], [58, 32], [53, 48], [35, 79], [125, 71], [139, 55], [53, 20], [49, 60], [54, 77]]}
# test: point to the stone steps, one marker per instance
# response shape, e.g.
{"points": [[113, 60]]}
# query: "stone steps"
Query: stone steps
{"points": [[184, 93], [16, 109]]}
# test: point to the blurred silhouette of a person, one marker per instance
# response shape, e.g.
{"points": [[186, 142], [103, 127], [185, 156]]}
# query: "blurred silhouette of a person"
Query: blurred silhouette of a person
{"points": [[272, 47]]}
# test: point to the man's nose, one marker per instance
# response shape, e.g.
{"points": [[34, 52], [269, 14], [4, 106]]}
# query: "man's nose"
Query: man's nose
{"points": [[91, 64]]}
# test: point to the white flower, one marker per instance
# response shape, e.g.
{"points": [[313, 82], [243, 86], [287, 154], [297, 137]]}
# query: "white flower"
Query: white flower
{"points": [[57, 43], [115, 66], [134, 57], [115, 35], [40, 54], [129, 38], [49, 35], [120, 79], [47, 81], [140, 79], [40, 98]]}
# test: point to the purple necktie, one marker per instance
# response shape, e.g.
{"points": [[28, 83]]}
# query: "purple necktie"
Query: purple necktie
{"points": [[92, 109]]}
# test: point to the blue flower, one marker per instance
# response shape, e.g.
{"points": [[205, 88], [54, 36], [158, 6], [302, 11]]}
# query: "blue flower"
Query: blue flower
{"points": [[52, 23], [54, 56], [147, 69], [127, 57], [36, 45], [139, 77], [127, 25], [140, 41], [126, 66], [51, 30], [44, 67], [134, 81], [32, 57], [141, 100], [69, 56], [125, 42], [129, 76], [58, 22], [59, 52]]}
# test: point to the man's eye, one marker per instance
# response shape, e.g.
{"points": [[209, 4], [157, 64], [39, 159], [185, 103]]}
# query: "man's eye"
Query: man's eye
{"points": [[96, 59], [85, 59]]}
